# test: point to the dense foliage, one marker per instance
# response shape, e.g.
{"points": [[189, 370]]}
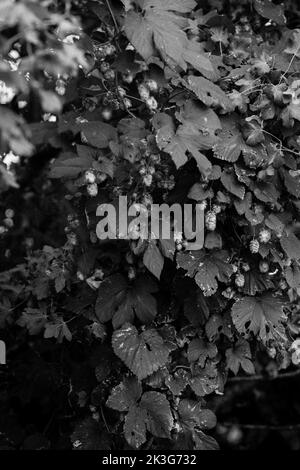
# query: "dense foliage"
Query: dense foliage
{"points": [[121, 344]]}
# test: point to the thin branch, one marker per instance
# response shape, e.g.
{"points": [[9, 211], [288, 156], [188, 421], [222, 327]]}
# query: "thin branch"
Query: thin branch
{"points": [[112, 15], [104, 420], [134, 98], [260, 377], [282, 147], [269, 427], [290, 64]]}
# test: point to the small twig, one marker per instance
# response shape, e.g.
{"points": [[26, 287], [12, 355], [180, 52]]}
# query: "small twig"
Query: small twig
{"points": [[134, 98], [251, 90], [290, 64], [269, 427], [104, 420], [112, 15], [257, 377], [282, 147]]}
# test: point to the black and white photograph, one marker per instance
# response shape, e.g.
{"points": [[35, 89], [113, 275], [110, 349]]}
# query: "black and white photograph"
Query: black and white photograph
{"points": [[149, 229]]}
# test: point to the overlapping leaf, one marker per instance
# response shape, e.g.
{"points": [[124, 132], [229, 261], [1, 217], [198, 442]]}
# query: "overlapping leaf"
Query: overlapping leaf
{"points": [[121, 302], [240, 356], [161, 28], [185, 139], [206, 268], [148, 412], [210, 94], [263, 316], [142, 353]]}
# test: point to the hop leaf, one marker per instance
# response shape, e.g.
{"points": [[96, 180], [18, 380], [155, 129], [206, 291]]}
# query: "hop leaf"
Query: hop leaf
{"points": [[240, 356], [186, 139], [267, 9], [207, 269], [142, 353], [192, 415], [199, 350], [262, 316], [291, 245], [231, 184], [158, 412], [205, 381], [209, 93], [160, 27], [121, 302], [151, 412], [229, 146], [153, 259], [135, 426], [124, 395]]}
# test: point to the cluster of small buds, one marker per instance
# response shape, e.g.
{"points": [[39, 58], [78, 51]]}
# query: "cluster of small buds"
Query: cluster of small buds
{"points": [[182, 246], [90, 103], [211, 221], [295, 349], [264, 236], [95, 280], [272, 352], [114, 101], [202, 205], [8, 221], [234, 268], [110, 75], [121, 92], [60, 87], [240, 280], [155, 158], [101, 177], [127, 77], [107, 114], [92, 189], [14, 54], [180, 243], [147, 200], [110, 101], [245, 267], [228, 293], [152, 85], [254, 246], [145, 89], [147, 179], [108, 72], [167, 183], [127, 103], [144, 92], [80, 276], [103, 51], [131, 273], [216, 208], [263, 267], [72, 238], [73, 222], [89, 177], [282, 284], [7, 93], [152, 103], [147, 173]]}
